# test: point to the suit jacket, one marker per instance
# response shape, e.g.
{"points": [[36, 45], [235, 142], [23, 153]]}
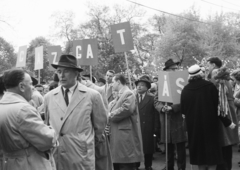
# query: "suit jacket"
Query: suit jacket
{"points": [[77, 125], [108, 91], [148, 122], [125, 133]]}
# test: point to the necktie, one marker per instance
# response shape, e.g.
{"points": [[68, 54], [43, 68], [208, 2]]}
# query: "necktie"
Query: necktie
{"points": [[66, 96], [140, 98]]}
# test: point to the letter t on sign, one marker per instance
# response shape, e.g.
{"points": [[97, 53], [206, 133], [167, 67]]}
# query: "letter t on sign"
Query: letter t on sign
{"points": [[121, 35]]}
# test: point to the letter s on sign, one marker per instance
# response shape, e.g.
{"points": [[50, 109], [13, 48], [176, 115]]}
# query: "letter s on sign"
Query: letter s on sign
{"points": [[179, 85]]}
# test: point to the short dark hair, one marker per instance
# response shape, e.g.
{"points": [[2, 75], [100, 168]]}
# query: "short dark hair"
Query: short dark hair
{"points": [[216, 61], [13, 77], [39, 85], [2, 87], [111, 71], [121, 78], [53, 85]]}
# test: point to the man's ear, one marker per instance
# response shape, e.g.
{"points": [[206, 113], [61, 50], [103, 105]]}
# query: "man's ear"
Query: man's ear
{"points": [[21, 86]]}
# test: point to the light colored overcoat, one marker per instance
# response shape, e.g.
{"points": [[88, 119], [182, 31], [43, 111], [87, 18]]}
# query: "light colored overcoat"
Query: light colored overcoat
{"points": [[24, 138], [80, 126], [125, 132]]}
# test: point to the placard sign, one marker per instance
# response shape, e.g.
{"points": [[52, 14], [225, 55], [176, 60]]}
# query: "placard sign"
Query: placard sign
{"points": [[38, 58], [21, 58], [170, 85], [86, 51], [54, 53], [122, 37]]}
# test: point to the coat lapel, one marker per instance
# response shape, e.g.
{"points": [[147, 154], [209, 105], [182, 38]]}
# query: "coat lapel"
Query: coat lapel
{"points": [[59, 99], [78, 95], [143, 102]]}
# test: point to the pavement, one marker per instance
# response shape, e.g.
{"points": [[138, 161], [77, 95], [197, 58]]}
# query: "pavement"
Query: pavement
{"points": [[159, 161]]}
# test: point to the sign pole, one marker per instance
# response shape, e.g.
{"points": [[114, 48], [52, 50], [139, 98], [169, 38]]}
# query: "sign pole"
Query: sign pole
{"points": [[90, 72], [39, 76], [129, 78], [166, 136]]}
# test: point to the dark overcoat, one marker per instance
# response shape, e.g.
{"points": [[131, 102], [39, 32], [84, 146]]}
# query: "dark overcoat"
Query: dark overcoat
{"points": [[147, 114], [176, 132], [199, 103]]}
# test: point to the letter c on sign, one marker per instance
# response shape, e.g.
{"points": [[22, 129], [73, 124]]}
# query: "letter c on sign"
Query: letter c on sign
{"points": [[179, 85]]}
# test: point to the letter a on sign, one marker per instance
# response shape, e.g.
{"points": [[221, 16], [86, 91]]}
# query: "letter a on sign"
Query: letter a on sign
{"points": [[164, 88], [21, 58], [122, 37], [38, 58]]}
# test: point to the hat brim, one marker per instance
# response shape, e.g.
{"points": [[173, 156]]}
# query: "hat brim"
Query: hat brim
{"points": [[176, 63], [67, 66], [147, 82]]}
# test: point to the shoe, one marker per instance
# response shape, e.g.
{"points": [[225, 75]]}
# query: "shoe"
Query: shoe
{"points": [[149, 168]]}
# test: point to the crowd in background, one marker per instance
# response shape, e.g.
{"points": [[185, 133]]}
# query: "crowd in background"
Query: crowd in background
{"points": [[104, 124]]}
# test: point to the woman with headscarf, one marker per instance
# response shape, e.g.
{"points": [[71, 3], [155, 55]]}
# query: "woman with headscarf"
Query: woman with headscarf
{"points": [[199, 104], [229, 137]]}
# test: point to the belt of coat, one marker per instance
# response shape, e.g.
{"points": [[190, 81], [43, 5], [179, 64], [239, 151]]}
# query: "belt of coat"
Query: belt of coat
{"points": [[19, 153]]}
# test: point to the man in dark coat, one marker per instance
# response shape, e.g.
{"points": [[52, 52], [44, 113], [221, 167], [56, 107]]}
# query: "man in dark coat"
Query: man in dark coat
{"points": [[176, 134], [147, 115]]}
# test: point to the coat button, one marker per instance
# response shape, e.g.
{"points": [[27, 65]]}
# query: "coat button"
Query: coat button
{"points": [[61, 118]]}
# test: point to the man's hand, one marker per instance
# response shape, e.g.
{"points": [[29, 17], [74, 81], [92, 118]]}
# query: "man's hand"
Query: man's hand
{"points": [[232, 126], [166, 108]]}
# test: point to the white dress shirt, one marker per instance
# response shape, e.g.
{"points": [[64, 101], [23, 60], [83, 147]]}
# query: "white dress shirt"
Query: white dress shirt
{"points": [[70, 93]]}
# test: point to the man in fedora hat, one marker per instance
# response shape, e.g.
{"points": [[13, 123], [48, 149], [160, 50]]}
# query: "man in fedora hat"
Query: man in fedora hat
{"points": [[176, 134], [147, 114], [78, 115]]}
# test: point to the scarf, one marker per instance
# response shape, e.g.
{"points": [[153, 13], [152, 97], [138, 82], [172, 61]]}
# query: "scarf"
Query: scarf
{"points": [[223, 106]]}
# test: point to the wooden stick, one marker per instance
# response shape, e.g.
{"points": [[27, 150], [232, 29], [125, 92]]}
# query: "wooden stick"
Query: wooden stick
{"points": [[39, 79], [90, 72], [166, 136], [129, 78]]}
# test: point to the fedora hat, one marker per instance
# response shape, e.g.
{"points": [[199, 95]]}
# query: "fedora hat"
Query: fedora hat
{"points": [[169, 63], [145, 79], [68, 61]]}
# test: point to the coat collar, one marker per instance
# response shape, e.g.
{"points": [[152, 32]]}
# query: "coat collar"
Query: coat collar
{"points": [[78, 96], [146, 99], [59, 97], [10, 97]]}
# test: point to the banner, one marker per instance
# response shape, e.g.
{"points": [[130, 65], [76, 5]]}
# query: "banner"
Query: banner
{"points": [[38, 58], [21, 57], [86, 51], [54, 53], [122, 37], [170, 85]]}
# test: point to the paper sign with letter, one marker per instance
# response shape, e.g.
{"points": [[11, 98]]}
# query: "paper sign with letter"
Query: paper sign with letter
{"points": [[21, 58], [38, 58], [54, 53], [122, 37], [86, 51], [170, 85]]}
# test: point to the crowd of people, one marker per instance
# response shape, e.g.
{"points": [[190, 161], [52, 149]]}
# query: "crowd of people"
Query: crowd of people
{"points": [[80, 123]]}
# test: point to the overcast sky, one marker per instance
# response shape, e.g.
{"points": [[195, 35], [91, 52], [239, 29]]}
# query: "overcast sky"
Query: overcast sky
{"points": [[31, 18]]}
